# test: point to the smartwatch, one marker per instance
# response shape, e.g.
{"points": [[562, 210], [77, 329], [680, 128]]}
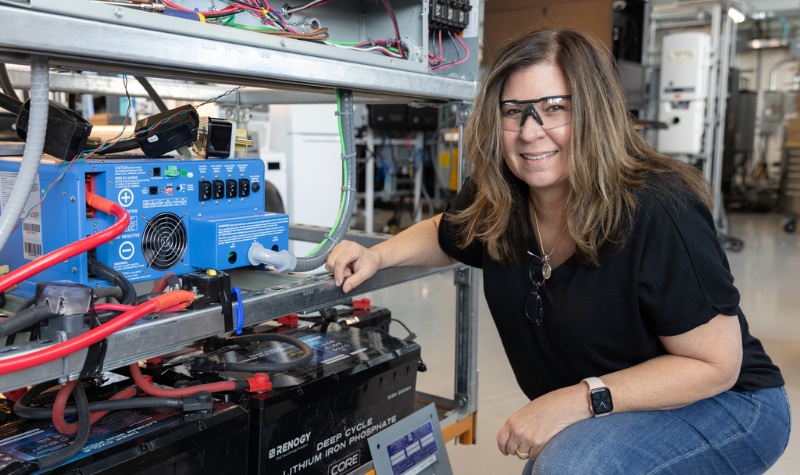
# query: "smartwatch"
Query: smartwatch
{"points": [[599, 397]]}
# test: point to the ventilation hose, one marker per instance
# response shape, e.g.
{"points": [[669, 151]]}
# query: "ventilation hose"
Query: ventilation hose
{"points": [[284, 261], [34, 146]]}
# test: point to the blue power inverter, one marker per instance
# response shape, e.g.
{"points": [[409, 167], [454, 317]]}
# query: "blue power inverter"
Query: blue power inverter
{"points": [[186, 215]]}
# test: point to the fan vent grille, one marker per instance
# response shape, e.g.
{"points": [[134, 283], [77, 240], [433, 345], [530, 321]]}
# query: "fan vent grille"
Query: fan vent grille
{"points": [[164, 241]]}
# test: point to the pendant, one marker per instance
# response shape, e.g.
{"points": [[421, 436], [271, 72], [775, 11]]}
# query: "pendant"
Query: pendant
{"points": [[546, 269]]}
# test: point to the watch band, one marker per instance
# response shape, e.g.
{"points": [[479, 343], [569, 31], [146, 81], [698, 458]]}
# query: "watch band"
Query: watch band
{"points": [[594, 383], [598, 389]]}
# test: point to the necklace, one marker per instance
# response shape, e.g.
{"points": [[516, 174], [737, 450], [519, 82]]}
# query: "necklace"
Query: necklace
{"points": [[546, 269]]}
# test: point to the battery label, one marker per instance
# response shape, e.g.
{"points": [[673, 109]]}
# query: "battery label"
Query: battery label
{"points": [[327, 349], [113, 429], [413, 452]]}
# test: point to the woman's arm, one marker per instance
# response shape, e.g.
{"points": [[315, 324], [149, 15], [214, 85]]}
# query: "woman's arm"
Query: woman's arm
{"points": [[352, 264], [700, 363]]}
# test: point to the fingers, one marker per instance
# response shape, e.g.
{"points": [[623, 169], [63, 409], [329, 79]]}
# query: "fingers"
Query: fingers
{"points": [[510, 442], [503, 439], [348, 263]]}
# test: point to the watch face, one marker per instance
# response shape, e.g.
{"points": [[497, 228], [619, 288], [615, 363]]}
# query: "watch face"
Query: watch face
{"points": [[601, 401]]}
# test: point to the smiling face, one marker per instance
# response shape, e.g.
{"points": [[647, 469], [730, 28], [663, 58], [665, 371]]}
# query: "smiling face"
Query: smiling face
{"points": [[536, 156]]}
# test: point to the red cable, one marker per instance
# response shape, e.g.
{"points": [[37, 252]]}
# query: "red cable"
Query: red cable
{"points": [[94, 335], [156, 391], [71, 250], [60, 404], [119, 307], [184, 9], [59, 421], [162, 283]]}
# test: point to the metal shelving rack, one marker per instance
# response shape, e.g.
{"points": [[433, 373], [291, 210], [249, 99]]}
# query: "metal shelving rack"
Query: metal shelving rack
{"points": [[709, 16], [106, 40]]}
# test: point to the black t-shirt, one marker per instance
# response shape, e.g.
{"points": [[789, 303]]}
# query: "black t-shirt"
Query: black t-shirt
{"points": [[670, 276]]}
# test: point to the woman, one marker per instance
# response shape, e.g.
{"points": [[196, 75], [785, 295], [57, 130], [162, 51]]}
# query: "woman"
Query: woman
{"points": [[604, 275]]}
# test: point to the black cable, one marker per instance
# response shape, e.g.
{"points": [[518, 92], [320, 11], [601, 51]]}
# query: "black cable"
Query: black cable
{"points": [[108, 291], [308, 354], [11, 104], [223, 14], [108, 274], [411, 335], [28, 412], [25, 319], [5, 82], [84, 427], [162, 107], [121, 146], [28, 303]]}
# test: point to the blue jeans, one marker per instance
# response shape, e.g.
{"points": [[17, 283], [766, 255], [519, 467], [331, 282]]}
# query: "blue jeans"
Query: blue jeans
{"points": [[733, 432]]}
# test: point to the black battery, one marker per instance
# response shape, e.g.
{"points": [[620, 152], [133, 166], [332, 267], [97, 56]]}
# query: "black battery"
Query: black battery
{"points": [[317, 418], [128, 442]]}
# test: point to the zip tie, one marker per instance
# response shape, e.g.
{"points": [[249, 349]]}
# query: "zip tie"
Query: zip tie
{"points": [[347, 188], [330, 238], [343, 113], [239, 323]]}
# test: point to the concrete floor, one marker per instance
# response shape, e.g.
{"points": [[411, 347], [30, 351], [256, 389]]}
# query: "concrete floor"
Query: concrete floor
{"points": [[767, 273]]}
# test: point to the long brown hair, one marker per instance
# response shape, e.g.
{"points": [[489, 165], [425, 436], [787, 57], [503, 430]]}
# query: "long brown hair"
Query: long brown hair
{"points": [[609, 159]]}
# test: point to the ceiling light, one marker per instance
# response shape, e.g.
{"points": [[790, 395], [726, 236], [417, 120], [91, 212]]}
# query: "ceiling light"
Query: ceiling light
{"points": [[736, 15]]}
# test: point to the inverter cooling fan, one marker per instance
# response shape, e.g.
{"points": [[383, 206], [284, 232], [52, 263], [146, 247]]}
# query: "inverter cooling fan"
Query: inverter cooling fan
{"points": [[186, 215], [164, 241]]}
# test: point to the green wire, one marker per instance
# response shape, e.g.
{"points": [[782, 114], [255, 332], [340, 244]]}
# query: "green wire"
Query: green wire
{"points": [[251, 28], [344, 174]]}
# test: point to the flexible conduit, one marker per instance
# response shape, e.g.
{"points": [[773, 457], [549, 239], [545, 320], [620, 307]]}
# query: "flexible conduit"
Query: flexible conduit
{"points": [[34, 145], [347, 136], [284, 261]]}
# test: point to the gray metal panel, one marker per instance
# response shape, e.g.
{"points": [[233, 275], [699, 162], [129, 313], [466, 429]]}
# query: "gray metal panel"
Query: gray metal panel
{"points": [[116, 47], [103, 13]]}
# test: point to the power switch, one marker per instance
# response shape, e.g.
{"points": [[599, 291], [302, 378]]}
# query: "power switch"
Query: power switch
{"points": [[230, 188], [244, 187], [205, 190], [219, 189]]}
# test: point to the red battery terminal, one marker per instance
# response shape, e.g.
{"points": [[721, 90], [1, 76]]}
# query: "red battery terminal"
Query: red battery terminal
{"points": [[259, 383], [362, 304]]}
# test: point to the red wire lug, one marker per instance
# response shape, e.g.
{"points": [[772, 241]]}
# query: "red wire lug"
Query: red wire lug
{"points": [[259, 383], [290, 320], [15, 394], [154, 363]]}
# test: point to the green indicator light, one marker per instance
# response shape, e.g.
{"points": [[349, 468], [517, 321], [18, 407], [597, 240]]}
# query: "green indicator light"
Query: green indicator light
{"points": [[184, 173]]}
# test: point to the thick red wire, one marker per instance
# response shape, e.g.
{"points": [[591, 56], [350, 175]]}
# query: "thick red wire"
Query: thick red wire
{"points": [[96, 334], [71, 250], [59, 406], [152, 390], [119, 307]]}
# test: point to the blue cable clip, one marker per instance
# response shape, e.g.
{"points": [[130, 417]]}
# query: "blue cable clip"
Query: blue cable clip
{"points": [[239, 310]]}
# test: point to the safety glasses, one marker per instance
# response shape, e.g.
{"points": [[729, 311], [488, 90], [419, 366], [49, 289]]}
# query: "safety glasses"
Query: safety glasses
{"points": [[549, 112], [534, 309]]}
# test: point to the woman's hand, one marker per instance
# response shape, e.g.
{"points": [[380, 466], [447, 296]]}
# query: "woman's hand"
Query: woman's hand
{"points": [[351, 264], [528, 430]]}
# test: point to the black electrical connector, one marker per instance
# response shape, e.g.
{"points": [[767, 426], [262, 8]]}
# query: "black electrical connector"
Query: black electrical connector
{"points": [[215, 138], [210, 287], [167, 131], [67, 132], [449, 15]]}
